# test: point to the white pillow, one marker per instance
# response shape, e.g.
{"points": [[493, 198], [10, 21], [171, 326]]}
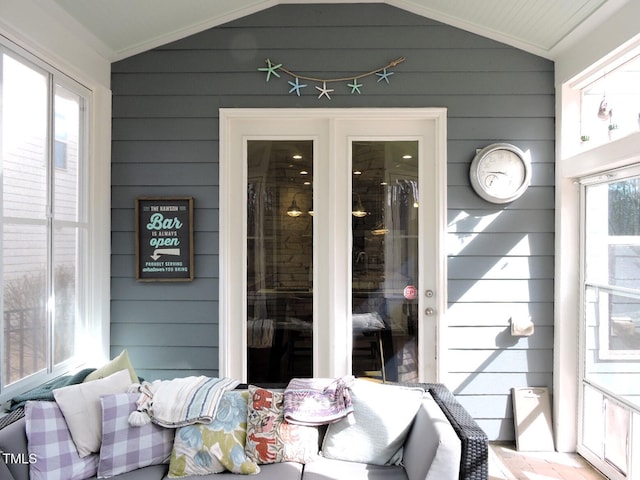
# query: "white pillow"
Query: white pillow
{"points": [[377, 428], [82, 410]]}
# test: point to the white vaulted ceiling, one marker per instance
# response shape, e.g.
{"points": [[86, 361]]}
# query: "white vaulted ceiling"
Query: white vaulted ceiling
{"points": [[120, 28]]}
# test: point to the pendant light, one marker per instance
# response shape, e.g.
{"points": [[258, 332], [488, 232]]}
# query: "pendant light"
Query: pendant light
{"points": [[358, 210], [294, 210]]}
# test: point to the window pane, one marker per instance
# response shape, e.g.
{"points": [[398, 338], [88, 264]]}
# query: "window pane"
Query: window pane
{"points": [[24, 206], [24, 140], [279, 260], [66, 154], [609, 107], [66, 246], [612, 293], [385, 259], [24, 294], [613, 234], [64, 288]]}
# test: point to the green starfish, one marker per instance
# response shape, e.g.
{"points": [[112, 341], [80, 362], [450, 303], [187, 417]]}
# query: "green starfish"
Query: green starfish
{"points": [[270, 69], [355, 86]]}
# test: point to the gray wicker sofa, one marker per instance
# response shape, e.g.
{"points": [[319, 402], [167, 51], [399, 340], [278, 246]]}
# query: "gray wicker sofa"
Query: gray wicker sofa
{"points": [[444, 443]]}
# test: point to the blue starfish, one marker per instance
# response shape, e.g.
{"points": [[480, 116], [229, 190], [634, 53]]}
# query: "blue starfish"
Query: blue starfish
{"points": [[270, 69], [296, 86], [384, 75], [355, 86]]}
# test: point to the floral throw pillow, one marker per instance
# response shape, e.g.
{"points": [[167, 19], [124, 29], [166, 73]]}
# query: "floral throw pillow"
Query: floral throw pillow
{"points": [[201, 449], [270, 438]]}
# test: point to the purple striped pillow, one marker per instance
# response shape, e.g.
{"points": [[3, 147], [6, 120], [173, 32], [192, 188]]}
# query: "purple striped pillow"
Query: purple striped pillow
{"points": [[125, 448], [52, 453]]}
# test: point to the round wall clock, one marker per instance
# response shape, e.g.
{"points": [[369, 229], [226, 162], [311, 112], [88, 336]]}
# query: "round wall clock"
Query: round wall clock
{"points": [[500, 173]]}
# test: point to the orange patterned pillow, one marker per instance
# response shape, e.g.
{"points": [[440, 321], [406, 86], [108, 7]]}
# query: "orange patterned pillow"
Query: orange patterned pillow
{"points": [[270, 438]]}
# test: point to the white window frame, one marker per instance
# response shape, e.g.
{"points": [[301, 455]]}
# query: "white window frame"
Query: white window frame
{"points": [[575, 162], [574, 68], [93, 339]]}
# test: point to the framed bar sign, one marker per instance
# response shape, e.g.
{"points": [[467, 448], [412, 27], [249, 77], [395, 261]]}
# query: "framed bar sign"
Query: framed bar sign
{"points": [[164, 239]]}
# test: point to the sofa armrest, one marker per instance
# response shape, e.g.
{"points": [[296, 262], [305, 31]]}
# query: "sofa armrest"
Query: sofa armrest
{"points": [[474, 459], [5, 474], [432, 450], [13, 445]]}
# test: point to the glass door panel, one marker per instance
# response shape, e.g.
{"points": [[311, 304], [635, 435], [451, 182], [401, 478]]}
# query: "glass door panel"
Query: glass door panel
{"points": [[279, 260], [385, 260], [611, 321]]}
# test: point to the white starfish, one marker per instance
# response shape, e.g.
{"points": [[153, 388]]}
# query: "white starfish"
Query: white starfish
{"points": [[324, 90]]}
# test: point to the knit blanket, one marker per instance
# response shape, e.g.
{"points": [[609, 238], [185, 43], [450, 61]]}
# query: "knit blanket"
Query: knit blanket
{"points": [[317, 401], [181, 401], [45, 392]]}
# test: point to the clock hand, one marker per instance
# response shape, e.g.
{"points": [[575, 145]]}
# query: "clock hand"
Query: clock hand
{"points": [[498, 172]]}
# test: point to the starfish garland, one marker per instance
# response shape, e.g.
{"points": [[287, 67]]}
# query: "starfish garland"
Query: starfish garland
{"points": [[382, 73]]}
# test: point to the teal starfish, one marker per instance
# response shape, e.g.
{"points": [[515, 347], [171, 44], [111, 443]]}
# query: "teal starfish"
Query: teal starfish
{"points": [[270, 69], [384, 75], [296, 86], [355, 86]]}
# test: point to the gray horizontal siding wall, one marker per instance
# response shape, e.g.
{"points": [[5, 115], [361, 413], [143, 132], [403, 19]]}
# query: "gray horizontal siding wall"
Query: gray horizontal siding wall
{"points": [[165, 142]]}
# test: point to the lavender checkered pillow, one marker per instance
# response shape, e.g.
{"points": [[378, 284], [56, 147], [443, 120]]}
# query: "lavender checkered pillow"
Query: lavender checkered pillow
{"points": [[51, 445], [125, 448]]}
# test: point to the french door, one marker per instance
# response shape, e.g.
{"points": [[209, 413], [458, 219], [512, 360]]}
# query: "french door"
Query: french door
{"points": [[610, 332], [331, 233]]}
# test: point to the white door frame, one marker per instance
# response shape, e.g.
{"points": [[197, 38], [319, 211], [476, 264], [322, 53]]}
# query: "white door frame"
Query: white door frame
{"points": [[329, 128]]}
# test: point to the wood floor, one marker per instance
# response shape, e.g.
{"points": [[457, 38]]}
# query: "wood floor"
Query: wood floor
{"points": [[505, 463]]}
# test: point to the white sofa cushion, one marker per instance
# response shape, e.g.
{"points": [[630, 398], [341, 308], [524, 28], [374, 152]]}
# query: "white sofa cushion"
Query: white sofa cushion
{"points": [[377, 428], [326, 468], [432, 450]]}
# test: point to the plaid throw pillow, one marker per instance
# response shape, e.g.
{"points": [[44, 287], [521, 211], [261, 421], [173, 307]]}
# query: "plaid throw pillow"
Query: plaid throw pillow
{"points": [[50, 445], [125, 448]]}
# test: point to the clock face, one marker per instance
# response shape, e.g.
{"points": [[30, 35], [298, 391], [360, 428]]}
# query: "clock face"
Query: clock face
{"points": [[500, 173]]}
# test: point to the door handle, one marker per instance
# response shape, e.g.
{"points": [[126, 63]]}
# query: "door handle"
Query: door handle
{"points": [[429, 312]]}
